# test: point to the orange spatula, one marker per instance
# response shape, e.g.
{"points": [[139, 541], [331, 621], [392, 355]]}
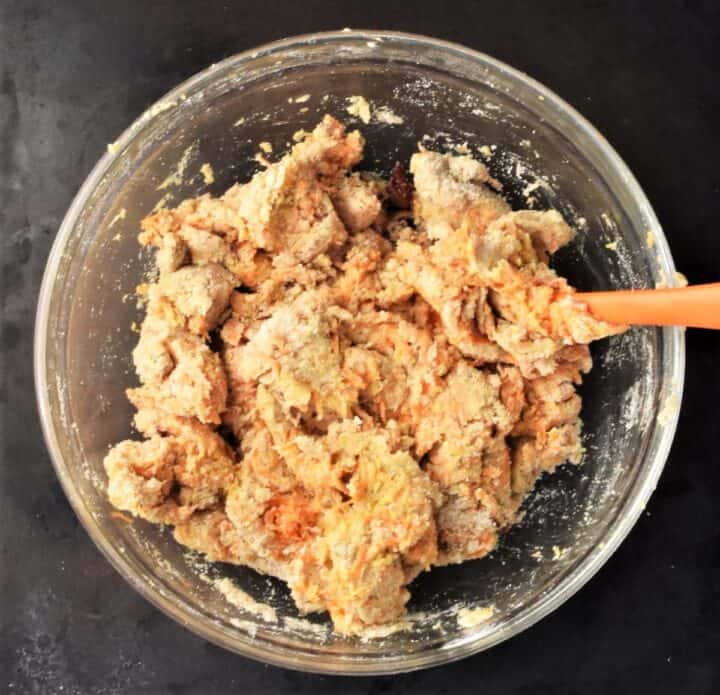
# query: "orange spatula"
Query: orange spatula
{"points": [[697, 306]]}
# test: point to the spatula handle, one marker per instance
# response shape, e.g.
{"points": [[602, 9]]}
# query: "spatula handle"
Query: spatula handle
{"points": [[697, 306]]}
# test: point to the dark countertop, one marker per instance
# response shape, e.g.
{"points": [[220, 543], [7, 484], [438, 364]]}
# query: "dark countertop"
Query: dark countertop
{"points": [[73, 74]]}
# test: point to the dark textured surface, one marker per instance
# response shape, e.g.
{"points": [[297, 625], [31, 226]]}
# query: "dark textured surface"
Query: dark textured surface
{"points": [[73, 74]]}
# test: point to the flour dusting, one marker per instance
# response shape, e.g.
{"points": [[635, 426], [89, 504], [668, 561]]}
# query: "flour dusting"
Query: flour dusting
{"points": [[176, 177], [242, 600], [472, 617]]}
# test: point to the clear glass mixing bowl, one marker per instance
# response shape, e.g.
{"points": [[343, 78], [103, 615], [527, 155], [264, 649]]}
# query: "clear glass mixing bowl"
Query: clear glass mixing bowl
{"points": [[446, 95]]}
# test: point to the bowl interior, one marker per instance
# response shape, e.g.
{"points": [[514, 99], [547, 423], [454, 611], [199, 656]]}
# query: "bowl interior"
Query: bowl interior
{"points": [[445, 99]]}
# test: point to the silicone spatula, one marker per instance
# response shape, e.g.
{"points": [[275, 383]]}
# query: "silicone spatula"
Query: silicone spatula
{"points": [[696, 306]]}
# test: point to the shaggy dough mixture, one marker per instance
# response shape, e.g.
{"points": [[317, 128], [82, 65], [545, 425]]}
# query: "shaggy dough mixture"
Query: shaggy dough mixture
{"points": [[347, 380]]}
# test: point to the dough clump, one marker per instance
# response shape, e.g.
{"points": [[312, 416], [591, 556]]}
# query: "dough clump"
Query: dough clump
{"points": [[347, 380]]}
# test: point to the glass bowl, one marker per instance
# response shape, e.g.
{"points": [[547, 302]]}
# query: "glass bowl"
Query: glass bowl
{"points": [[447, 96]]}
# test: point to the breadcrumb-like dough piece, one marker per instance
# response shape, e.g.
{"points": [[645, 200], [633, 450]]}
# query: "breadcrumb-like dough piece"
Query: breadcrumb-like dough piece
{"points": [[547, 229], [287, 207], [267, 515], [293, 353], [355, 567], [205, 230], [200, 294], [168, 479], [451, 191], [548, 430], [191, 382], [542, 303], [356, 202], [465, 434], [456, 302]]}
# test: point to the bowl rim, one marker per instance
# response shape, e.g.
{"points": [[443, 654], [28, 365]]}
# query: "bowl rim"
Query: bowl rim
{"points": [[287, 657]]}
